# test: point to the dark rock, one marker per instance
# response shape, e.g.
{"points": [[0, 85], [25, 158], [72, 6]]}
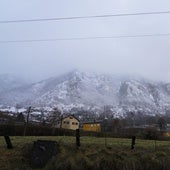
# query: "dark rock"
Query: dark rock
{"points": [[42, 152]]}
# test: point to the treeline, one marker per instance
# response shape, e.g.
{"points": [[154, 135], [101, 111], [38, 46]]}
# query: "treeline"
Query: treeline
{"points": [[37, 130], [33, 130]]}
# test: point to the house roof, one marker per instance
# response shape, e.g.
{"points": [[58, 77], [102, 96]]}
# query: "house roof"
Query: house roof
{"points": [[70, 116], [92, 122]]}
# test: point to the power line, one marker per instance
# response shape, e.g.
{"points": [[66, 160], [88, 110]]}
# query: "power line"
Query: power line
{"points": [[84, 38], [84, 17]]}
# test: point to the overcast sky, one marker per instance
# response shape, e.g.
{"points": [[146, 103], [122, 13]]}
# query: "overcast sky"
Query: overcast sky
{"points": [[147, 56]]}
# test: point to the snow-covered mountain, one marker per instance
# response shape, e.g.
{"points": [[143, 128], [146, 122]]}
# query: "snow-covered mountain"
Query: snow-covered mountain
{"points": [[90, 91]]}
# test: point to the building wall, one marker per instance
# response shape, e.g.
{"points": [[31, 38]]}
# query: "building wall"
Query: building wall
{"points": [[95, 127], [70, 123], [166, 134]]}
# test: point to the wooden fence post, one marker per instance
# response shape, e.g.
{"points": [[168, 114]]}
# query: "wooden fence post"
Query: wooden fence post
{"points": [[77, 137], [133, 142], [8, 142]]}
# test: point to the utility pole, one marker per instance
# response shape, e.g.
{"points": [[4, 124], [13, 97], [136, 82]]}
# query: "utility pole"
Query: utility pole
{"points": [[105, 130], [27, 120]]}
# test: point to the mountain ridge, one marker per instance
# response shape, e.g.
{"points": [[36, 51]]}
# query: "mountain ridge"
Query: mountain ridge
{"points": [[90, 91]]}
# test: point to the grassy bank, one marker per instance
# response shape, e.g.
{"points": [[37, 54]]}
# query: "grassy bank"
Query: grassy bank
{"points": [[93, 154]]}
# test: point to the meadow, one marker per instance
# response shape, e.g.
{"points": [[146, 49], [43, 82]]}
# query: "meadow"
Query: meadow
{"points": [[94, 153]]}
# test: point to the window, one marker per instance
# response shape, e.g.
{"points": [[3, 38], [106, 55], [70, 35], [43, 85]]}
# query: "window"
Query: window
{"points": [[74, 123]]}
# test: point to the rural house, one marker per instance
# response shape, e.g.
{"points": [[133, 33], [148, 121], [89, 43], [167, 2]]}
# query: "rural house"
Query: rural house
{"points": [[94, 126], [69, 122]]}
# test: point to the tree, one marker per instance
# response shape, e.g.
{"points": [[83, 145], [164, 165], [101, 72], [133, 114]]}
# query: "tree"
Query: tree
{"points": [[54, 116], [116, 124], [162, 124], [20, 117]]}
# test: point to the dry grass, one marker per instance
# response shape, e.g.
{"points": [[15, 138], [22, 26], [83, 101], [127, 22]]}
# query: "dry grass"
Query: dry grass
{"points": [[91, 153]]}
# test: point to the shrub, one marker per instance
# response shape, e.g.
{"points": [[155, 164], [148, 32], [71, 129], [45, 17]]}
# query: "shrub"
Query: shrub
{"points": [[150, 133]]}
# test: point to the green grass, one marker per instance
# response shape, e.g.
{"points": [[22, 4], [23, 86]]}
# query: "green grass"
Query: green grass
{"points": [[92, 153]]}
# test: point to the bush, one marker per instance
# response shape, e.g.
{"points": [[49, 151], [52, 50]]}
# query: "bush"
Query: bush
{"points": [[34, 130], [150, 133]]}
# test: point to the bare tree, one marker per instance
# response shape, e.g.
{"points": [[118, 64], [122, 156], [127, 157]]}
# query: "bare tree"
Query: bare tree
{"points": [[54, 116], [162, 124]]}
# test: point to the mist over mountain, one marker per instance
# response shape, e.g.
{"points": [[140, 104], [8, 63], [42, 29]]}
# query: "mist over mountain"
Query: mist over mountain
{"points": [[9, 82], [88, 91]]}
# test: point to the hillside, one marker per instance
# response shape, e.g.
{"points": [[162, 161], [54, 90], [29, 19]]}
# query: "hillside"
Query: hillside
{"points": [[89, 91]]}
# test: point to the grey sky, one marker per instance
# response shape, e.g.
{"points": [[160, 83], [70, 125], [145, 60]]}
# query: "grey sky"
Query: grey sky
{"points": [[149, 57]]}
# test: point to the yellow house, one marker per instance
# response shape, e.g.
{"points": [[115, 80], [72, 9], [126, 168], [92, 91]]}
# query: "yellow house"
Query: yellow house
{"points": [[92, 126], [70, 122], [166, 134]]}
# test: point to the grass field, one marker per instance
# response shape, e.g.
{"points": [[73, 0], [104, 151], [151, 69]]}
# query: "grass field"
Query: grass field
{"points": [[92, 154]]}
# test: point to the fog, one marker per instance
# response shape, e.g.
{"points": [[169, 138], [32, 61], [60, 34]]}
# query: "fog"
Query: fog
{"points": [[145, 56]]}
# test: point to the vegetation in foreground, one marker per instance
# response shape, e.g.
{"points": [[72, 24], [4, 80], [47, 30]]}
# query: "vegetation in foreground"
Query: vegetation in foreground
{"points": [[94, 153]]}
